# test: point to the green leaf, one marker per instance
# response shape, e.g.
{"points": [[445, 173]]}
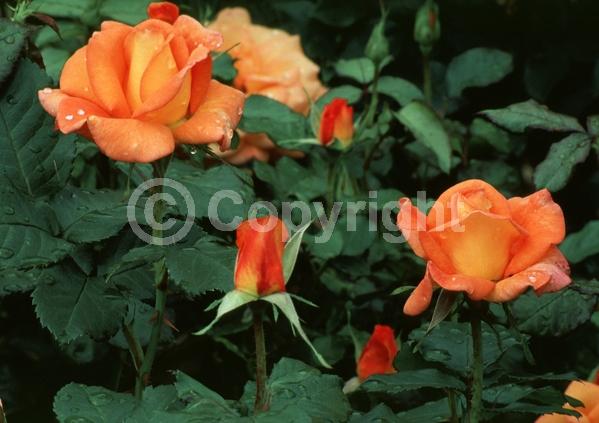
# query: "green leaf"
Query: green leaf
{"points": [[531, 115], [553, 172], [64, 8], [477, 67], [399, 89], [223, 68], [291, 251], [360, 70], [450, 344], [23, 246], [428, 128], [33, 157], [201, 399], [88, 216], [222, 193], [582, 244], [283, 301], [300, 393], [350, 93], [159, 404], [551, 314], [434, 411], [379, 414], [73, 305], [132, 14], [410, 380], [484, 131], [12, 40], [231, 301], [204, 266], [279, 122], [87, 404]]}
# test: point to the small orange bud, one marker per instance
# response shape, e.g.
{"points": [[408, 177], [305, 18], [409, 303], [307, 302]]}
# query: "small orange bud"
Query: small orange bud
{"points": [[337, 121], [259, 267], [378, 354], [165, 11]]}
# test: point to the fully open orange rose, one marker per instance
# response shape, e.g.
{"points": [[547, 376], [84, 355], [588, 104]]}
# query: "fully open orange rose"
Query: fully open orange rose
{"points": [[378, 353], [136, 91], [587, 393], [477, 241], [259, 267], [269, 62]]}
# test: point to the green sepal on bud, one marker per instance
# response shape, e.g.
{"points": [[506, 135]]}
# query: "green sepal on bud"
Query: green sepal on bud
{"points": [[377, 47], [427, 28]]}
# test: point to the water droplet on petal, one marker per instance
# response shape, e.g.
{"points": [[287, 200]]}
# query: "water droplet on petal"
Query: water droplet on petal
{"points": [[69, 117], [80, 112], [532, 278]]}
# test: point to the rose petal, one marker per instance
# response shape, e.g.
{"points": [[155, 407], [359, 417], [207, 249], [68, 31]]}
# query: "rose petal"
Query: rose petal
{"points": [[74, 112], [50, 99], [172, 87], [512, 287], [131, 140], [411, 222], [107, 69], [196, 34], [201, 75], [480, 246], [543, 221], [215, 118], [556, 266], [420, 298], [476, 288], [482, 196], [74, 79]]}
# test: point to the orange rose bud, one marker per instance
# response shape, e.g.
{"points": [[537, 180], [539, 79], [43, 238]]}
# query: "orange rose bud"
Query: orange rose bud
{"points": [[137, 91], [587, 393], [165, 11], [476, 241], [378, 353], [337, 121], [259, 267]]}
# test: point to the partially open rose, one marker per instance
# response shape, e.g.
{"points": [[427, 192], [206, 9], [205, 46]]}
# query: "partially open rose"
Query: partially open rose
{"points": [[269, 62], [137, 91], [378, 354], [476, 241]]}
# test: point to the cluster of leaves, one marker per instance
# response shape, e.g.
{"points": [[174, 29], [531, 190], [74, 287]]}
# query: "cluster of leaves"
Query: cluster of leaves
{"points": [[75, 282]]}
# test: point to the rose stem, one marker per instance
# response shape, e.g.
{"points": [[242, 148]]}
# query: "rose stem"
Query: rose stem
{"points": [[476, 382], [427, 80], [161, 281], [261, 403]]}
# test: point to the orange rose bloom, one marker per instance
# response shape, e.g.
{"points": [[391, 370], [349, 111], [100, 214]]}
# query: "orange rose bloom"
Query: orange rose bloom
{"points": [[477, 241], [378, 353], [337, 122], [586, 392], [269, 62], [136, 91], [259, 267]]}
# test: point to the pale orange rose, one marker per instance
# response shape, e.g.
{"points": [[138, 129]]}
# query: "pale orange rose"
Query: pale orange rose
{"points": [[137, 91], [476, 241], [586, 392], [269, 62]]}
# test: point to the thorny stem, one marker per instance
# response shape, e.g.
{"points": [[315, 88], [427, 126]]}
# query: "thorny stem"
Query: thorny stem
{"points": [[261, 403]]}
